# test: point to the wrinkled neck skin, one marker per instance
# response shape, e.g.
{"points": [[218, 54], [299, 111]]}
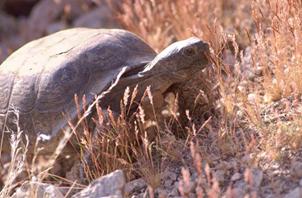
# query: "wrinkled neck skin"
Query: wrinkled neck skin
{"points": [[153, 75], [165, 71], [158, 75]]}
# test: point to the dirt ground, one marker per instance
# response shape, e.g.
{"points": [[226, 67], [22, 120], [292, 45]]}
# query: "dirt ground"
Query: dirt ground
{"points": [[243, 134]]}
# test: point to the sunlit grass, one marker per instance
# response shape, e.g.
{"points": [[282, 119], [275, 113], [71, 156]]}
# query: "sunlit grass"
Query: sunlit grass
{"points": [[261, 37]]}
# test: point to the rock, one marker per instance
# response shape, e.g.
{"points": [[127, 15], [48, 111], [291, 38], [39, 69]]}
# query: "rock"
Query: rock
{"points": [[100, 17], [36, 189], [296, 193], [135, 186], [76, 173], [253, 177], [111, 185], [257, 177], [219, 176], [236, 177], [174, 192], [55, 27], [170, 174], [296, 169], [47, 12], [169, 177], [168, 182], [8, 25]]}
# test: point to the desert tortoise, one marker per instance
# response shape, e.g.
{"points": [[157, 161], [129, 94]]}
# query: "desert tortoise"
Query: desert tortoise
{"points": [[39, 80]]}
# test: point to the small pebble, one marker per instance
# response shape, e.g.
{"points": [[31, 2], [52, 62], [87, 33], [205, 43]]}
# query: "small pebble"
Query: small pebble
{"points": [[236, 177]]}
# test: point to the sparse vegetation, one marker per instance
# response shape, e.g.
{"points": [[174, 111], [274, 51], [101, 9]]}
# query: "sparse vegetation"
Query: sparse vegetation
{"points": [[239, 119]]}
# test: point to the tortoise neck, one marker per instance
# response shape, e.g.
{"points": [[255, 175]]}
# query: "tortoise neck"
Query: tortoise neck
{"points": [[156, 68]]}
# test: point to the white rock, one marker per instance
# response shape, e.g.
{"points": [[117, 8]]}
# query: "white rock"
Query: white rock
{"points": [[47, 12], [111, 185], [257, 177], [101, 17], [236, 177], [296, 193], [135, 186], [42, 191]]}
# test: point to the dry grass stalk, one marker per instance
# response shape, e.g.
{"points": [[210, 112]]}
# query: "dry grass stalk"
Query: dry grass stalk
{"points": [[18, 160], [278, 46], [238, 129], [122, 141]]}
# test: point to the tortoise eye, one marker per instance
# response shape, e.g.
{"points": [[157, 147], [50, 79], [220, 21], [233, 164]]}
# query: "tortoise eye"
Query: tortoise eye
{"points": [[189, 51]]}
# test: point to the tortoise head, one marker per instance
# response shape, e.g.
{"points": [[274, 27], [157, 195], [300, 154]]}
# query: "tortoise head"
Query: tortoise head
{"points": [[180, 59]]}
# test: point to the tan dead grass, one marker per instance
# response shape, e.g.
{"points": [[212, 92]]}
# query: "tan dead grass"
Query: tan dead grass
{"points": [[272, 30], [278, 47], [274, 38]]}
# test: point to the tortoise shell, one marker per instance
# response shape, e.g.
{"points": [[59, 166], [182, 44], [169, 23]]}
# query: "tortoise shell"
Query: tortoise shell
{"points": [[38, 81]]}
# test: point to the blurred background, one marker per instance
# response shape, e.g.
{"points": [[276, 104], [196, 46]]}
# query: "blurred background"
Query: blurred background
{"points": [[256, 52], [25, 20], [225, 25], [158, 22]]}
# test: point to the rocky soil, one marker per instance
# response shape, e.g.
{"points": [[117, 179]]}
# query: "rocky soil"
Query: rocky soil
{"points": [[235, 173]]}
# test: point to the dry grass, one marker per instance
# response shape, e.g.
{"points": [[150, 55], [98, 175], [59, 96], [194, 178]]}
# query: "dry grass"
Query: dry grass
{"points": [[270, 32], [121, 142], [17, 164], [25, 170], [277, 47]]}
